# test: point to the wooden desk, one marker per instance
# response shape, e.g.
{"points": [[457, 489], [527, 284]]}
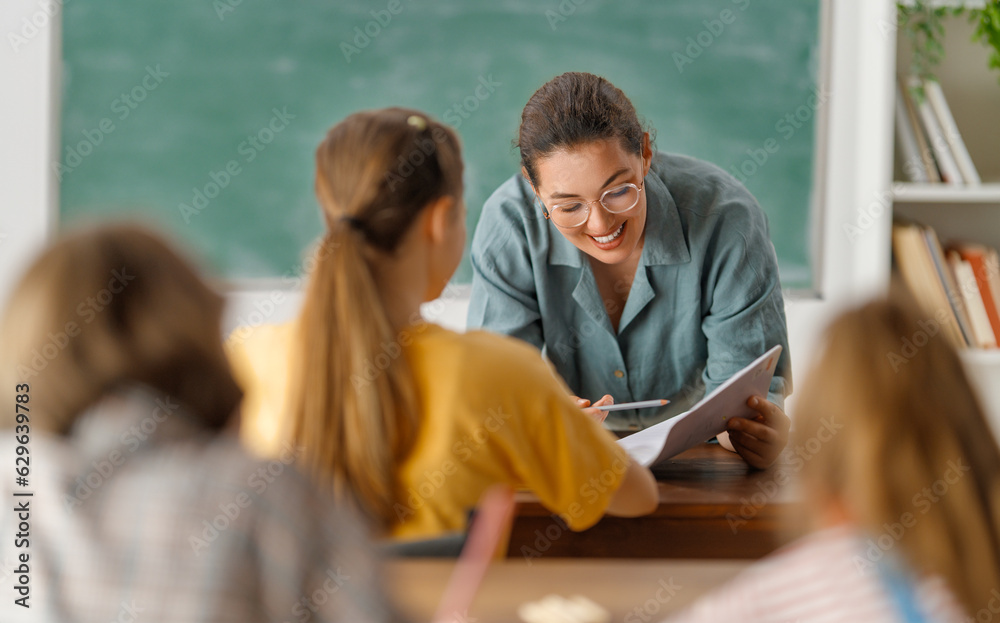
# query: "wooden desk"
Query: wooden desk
{"points": [[712, 505], [625, 587]]}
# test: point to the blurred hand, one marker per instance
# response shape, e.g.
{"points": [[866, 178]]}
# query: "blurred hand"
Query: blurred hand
{"points": [[760, 440], [593, 411]]}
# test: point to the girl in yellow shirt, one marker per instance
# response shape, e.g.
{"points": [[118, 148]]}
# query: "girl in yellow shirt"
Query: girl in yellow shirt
{"points": [[409, 421]]}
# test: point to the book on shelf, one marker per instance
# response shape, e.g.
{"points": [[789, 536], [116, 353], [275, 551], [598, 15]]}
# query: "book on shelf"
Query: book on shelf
{"points": [[950, 173], [932, 88], [930, 144], [948, 280], [918, 166], [958, 287], [916, 266], [972, 301], [914, 166], [976, 256]]}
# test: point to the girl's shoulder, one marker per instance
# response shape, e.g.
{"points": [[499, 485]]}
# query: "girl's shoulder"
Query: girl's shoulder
{"points": [[483, 356]]}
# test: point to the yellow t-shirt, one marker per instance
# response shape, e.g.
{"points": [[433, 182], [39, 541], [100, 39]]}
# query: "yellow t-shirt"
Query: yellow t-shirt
{"points": [[492, 412]]}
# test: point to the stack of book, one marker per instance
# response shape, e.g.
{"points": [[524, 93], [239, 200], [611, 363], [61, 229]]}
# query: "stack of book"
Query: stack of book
{"points": [[958, 286], [929, 141]]}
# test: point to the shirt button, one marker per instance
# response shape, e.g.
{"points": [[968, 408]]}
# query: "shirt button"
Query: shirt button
{"points": [[619, 373]]}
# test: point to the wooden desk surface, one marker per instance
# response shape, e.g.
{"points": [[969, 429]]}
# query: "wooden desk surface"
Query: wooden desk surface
{"points": [[646, 589], [712, 505]]}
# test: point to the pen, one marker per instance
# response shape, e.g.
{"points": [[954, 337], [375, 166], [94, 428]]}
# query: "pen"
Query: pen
{"points": [[645, 404]]}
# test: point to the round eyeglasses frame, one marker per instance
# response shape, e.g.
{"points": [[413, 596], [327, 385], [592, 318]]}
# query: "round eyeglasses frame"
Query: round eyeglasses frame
{"points": [[586, 205]]}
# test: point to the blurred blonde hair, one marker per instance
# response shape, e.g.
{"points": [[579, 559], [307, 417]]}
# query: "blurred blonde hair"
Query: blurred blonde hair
{"points": [[908, 416], [375, 172], [105, 308]]}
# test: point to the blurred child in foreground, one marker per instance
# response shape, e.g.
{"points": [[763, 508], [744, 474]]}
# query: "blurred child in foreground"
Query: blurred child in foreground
{"points": [[144, 508], [903, 494]]}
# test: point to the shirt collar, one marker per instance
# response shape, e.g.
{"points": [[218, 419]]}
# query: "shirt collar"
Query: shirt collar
{"points": [[666, 245]]}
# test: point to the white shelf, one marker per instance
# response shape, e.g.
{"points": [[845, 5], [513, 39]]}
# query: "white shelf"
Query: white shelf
{"points": [[981, 356], [947, 193], [969, 4]]}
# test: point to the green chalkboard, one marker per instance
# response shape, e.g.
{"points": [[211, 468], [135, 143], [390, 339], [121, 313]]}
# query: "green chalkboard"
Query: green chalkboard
{"points": [[203, 115]]}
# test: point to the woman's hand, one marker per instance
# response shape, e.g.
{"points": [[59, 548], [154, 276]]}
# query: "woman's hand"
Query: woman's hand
{"points": [[593, 411], [760, 440]]}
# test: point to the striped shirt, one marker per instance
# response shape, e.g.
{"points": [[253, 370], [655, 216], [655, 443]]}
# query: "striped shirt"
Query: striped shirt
{"points": [[827, 577], [139, 515]]}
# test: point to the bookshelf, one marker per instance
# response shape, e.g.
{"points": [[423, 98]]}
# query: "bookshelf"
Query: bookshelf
{"points": [[962, 212], [959, 212], [973, 94]]}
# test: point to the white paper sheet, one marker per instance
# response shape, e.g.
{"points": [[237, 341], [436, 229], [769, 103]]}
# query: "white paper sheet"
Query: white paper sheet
{"points": [[707, 418]]}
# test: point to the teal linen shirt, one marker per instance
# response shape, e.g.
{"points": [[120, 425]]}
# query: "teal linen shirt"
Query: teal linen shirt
{"points": [[705, 302]]}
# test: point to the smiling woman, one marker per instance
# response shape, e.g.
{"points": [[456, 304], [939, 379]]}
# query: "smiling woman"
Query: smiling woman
{"points": [[662, 261]]}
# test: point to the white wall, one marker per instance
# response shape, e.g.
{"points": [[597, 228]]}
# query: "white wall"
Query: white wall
{"points": [[855, 162], [28, 198]]}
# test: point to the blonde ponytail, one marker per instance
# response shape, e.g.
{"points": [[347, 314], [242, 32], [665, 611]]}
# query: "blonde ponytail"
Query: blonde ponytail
{"points": [[356, 426], [354, 430]]}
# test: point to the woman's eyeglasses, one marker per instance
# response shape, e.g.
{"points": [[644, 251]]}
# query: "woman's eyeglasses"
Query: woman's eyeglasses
{"points": [[575, 213]]}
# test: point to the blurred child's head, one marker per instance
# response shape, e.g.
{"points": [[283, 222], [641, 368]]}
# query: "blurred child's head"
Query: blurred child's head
{"points": [[897, 443], [107, 308]]}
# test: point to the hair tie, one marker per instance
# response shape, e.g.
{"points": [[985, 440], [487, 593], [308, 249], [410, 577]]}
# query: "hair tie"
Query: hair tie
{"points": [[418, 122], [355, 224]]}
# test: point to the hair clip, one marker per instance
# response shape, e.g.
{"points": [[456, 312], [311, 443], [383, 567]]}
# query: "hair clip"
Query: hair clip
{"points": [[417, 121]]}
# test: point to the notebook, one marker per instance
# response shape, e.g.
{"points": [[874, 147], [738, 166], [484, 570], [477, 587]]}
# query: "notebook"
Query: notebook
{"points": [[707, 418]]}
